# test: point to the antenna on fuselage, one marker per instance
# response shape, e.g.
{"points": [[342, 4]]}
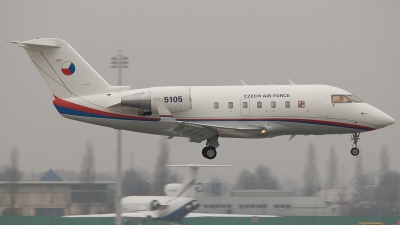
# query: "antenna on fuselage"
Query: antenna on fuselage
{"points": [[244, 84], [291, 82]]}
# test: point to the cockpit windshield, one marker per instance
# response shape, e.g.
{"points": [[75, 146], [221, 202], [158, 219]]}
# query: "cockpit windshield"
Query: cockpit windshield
{"points": [[354, 98], [340, 99], [345, 99]]}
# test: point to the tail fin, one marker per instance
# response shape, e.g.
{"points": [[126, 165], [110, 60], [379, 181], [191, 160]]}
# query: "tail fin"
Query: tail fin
{"points": [[65, 72], [189, 181]]}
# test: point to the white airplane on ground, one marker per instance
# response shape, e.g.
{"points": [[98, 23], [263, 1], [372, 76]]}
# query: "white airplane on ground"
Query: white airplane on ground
{"points": [[199, 113], [176, 205]]}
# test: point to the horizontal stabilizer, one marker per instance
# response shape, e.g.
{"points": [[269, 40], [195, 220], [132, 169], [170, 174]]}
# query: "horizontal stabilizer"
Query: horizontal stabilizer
{"points": [[39, 42], [198, 166]]}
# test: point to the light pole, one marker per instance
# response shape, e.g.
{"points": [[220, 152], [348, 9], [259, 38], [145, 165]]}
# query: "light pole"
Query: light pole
{"points": [[119, 61]]}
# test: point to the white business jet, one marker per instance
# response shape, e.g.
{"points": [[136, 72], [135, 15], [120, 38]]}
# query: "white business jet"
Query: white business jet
{"points": [[176, 205], [199, 113]]}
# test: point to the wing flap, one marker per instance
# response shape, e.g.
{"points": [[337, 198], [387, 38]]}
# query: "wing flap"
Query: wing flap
{"points": [[133, 216], [193, 215]]}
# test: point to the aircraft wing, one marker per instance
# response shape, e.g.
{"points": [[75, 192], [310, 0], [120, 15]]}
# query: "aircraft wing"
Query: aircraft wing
{"points": [[132, 216], [198, 215], [198, 132]]}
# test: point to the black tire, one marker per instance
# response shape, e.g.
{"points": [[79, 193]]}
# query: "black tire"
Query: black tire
{"points": [[204, 151], [209, 152], [355, 151]]}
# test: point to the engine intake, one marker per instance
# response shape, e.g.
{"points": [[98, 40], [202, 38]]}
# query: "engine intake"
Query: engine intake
{"points": [[192, 206], [154, 205]]}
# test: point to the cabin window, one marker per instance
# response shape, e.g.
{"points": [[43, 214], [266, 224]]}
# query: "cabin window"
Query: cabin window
{"points": [[287, 104], [354, 98], [216, 105], [340, 99], [245, 105], [273, 104], [230, 105], [259, 105]]}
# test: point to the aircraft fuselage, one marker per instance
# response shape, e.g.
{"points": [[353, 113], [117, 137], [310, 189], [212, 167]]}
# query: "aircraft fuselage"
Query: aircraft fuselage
{"points": [[281, 109]]}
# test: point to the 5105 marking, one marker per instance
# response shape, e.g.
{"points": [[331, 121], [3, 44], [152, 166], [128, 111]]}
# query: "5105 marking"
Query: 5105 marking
{"points": [[173, 99]]}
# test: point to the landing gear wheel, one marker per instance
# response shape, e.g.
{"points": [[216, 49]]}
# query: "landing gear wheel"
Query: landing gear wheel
{"points": [[209, 152], [354, 151]]}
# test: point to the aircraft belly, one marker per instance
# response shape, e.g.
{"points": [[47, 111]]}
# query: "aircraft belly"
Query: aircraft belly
{"points": [[274, 128], [150, 127], [80, 118], [293, 128]]}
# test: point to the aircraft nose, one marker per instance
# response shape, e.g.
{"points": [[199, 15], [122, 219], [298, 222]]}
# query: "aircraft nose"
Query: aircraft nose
{"points": [[387, 120], [378, 117]]}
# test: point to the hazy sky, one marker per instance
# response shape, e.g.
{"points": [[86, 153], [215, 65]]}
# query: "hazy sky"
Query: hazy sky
{"points": [[354, 45]]}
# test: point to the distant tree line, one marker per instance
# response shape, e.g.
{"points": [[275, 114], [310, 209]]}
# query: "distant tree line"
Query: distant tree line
{"points": [[367, 198], [12, 174], [261, 178]]}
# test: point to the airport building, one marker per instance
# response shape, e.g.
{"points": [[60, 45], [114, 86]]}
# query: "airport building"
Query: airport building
{"points": [[273, 202], [52, 196]]}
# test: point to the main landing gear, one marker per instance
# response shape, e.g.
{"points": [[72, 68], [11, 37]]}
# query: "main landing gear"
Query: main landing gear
{"points": [[209, 152], [354, 150]]}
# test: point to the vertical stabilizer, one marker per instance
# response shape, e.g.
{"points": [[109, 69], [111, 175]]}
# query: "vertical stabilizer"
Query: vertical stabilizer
{"points": [[65, 72], [186, 189]]}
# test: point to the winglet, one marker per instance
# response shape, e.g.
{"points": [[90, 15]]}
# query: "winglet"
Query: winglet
{"points": [[165, 114]]}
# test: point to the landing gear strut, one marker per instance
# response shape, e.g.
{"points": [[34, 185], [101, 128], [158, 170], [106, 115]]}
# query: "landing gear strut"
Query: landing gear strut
{"points": [[209, 152], [355, 137]]}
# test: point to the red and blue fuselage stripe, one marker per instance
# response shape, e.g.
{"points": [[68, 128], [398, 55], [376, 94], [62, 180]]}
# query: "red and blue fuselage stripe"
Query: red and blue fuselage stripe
{"points": [[69, 108], [166, 115]]}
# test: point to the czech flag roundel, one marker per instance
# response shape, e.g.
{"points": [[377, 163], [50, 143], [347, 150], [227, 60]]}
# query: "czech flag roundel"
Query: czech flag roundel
{"points": [[68, 68]]}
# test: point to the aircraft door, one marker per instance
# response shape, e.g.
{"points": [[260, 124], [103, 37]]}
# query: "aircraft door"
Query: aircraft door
{"points": [[245, 106]]}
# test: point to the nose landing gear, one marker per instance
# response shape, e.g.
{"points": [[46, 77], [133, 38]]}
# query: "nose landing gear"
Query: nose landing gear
{"points": [[355, 137]]}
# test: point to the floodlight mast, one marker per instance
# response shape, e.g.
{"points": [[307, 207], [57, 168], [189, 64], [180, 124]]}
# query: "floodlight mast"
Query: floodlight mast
{"points": [[119, 61]]}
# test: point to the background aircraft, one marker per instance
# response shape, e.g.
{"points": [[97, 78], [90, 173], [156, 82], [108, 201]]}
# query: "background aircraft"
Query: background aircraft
{"points": [[199, 113], [176, 205]]}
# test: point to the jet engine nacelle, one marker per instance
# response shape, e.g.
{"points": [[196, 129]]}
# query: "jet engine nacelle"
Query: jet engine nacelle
{"points": [[192, 206], [154, 205], [176, 99], [172, 189]]}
